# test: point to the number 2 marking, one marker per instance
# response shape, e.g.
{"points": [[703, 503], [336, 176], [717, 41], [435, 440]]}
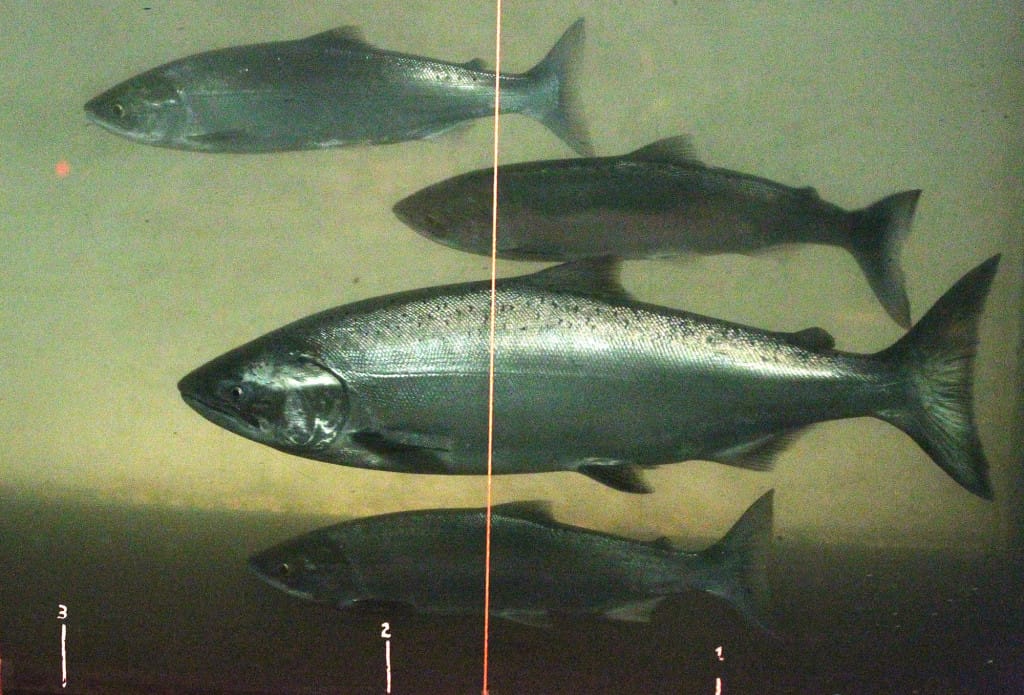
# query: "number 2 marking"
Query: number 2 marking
{"points": [[385, 634]]}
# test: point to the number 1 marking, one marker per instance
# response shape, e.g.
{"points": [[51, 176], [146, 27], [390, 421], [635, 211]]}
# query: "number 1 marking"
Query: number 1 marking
{"points": [[720, 653]]}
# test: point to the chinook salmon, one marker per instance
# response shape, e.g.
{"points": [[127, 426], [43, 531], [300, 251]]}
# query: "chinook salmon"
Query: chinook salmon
{"points": [[433, 561], [657, 201], [329, 90], [586, 379]]}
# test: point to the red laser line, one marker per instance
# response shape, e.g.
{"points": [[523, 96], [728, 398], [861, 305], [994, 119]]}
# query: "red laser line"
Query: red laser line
{"points": [[491, 328]]}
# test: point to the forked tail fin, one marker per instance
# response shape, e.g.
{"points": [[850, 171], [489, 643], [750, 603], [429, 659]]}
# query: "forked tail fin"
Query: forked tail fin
{"points": [[876, 240], [736, 565], [557, 103], [937, 359]]}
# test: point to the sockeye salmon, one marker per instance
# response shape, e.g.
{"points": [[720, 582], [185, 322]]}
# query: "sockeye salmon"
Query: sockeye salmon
{"points": [[329, 90], [586, 379], [658, 201], [432, 561]]}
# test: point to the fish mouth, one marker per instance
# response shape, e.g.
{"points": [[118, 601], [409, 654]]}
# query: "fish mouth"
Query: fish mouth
{"points": [[93, 109], [219, 414], [409, 211], [405, 211], [96, 112], [106, 124]]}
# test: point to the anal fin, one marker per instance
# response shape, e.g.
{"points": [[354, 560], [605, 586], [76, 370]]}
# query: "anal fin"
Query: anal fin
{"points": [[758, 454]]}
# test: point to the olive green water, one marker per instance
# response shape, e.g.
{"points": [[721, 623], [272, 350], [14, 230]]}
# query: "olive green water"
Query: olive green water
{"points": [[128, 508]]}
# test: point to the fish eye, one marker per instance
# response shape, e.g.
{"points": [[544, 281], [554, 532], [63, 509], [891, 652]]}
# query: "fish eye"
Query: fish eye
{"points": [[119, 110], [231, 391], [235, 393], [284, 570]]}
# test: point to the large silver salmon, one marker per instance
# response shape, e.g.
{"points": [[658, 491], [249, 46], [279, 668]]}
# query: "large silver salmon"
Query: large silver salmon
{"points": [[657, 201], [587, 379], [433, 562], [329, 90]]}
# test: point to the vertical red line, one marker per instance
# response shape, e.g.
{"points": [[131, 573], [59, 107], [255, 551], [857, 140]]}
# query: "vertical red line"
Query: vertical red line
{"points": [[491, 329]]}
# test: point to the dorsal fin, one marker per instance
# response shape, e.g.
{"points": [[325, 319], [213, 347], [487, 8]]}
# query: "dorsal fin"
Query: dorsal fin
{"points": [[664, 543], [348, 34], [475, 64], [619, 475], [674, 150], [538, 511], [814, 338], [596, 277]]}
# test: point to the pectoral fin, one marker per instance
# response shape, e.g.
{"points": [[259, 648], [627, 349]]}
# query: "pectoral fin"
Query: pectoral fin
{"points": [[400, 440], [375, 606], [220, 138], [639, 612], [531, 618], [403, 454]]}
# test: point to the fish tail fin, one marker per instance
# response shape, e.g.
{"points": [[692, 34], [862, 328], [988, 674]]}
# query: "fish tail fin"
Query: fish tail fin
{"points": [[557, 103], [876, 240], [736, 565], [936, 359]]}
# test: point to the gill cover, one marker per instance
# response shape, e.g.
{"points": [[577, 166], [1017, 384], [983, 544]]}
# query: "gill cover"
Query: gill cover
{"points": [[291, 402], [310, 568], [146, 108]]}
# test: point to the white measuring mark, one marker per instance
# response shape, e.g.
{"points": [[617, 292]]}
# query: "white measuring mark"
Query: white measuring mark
{"points": [[719, 652], [385, 634], [62, 614]]}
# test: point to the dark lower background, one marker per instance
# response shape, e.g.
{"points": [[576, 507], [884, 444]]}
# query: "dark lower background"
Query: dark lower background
{"points": [[159, 601]]}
